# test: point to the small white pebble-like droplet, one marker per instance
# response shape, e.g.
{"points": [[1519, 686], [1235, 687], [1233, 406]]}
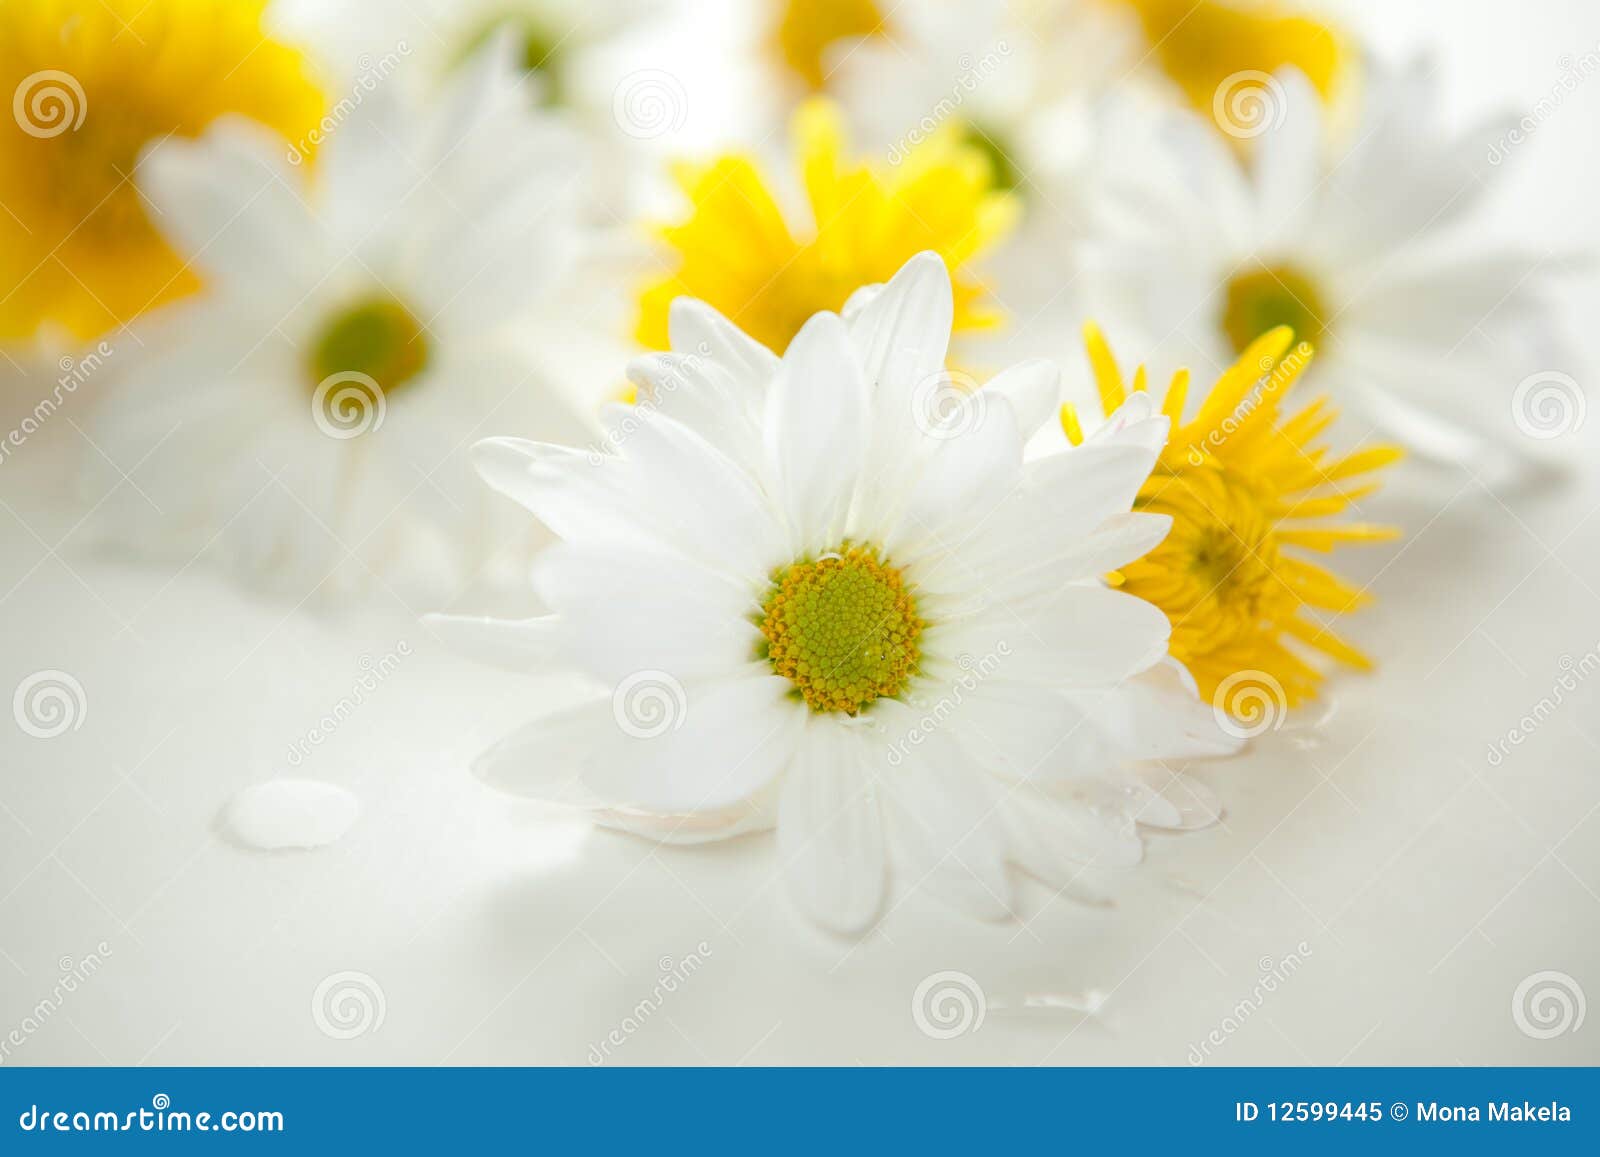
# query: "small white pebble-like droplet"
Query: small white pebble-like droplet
{"points": [[290, 813]]}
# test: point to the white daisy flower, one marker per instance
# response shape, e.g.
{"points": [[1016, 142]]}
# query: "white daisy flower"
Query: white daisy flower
{"points": [[312, 411], [824, 592], [1364, 250]]}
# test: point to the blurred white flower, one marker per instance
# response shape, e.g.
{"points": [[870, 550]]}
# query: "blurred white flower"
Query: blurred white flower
{"points": [[571, 56], [1420, 323], [308, 416], [824, 592]]}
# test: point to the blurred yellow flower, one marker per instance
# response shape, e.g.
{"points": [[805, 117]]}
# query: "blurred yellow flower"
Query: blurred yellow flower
{"points": [[738, 253], [92, 83], [1204, 44], [807, 29], [1247, 490]]}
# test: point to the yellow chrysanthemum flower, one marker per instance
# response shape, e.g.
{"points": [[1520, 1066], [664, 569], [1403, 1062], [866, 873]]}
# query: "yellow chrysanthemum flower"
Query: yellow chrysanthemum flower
{"points": [[92, 83], [1249, 492], [738, 253], [1202, 45]]}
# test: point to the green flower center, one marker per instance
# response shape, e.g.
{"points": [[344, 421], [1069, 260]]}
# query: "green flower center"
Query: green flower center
{"points": [[376, 336], [1003, 172], [843, 629], [1260, 300]]}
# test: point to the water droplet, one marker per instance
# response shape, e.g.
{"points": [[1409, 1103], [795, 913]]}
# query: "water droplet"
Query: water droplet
{"points": [[290, 813]]}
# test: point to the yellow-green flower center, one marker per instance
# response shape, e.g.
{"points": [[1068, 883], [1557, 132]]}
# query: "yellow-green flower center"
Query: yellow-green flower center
{"points": [[843, 629], [996, 149], [1258, 300], [376, 336]]}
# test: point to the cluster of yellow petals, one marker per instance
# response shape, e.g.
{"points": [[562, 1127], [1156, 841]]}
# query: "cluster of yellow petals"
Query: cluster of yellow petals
{"points": [[93, 84], [1251, 493], [738, 252]]}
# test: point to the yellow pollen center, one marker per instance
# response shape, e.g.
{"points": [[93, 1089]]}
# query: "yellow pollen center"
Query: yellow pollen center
{"points": [[1259, 300], [377, 336], [843, 629]]}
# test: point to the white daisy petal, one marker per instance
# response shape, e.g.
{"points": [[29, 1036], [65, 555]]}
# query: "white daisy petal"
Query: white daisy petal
{"points": [[699, 331], [830, 833], [943, 816], [526, 645], [815, 424], [698, 747], [1034, 391]]}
